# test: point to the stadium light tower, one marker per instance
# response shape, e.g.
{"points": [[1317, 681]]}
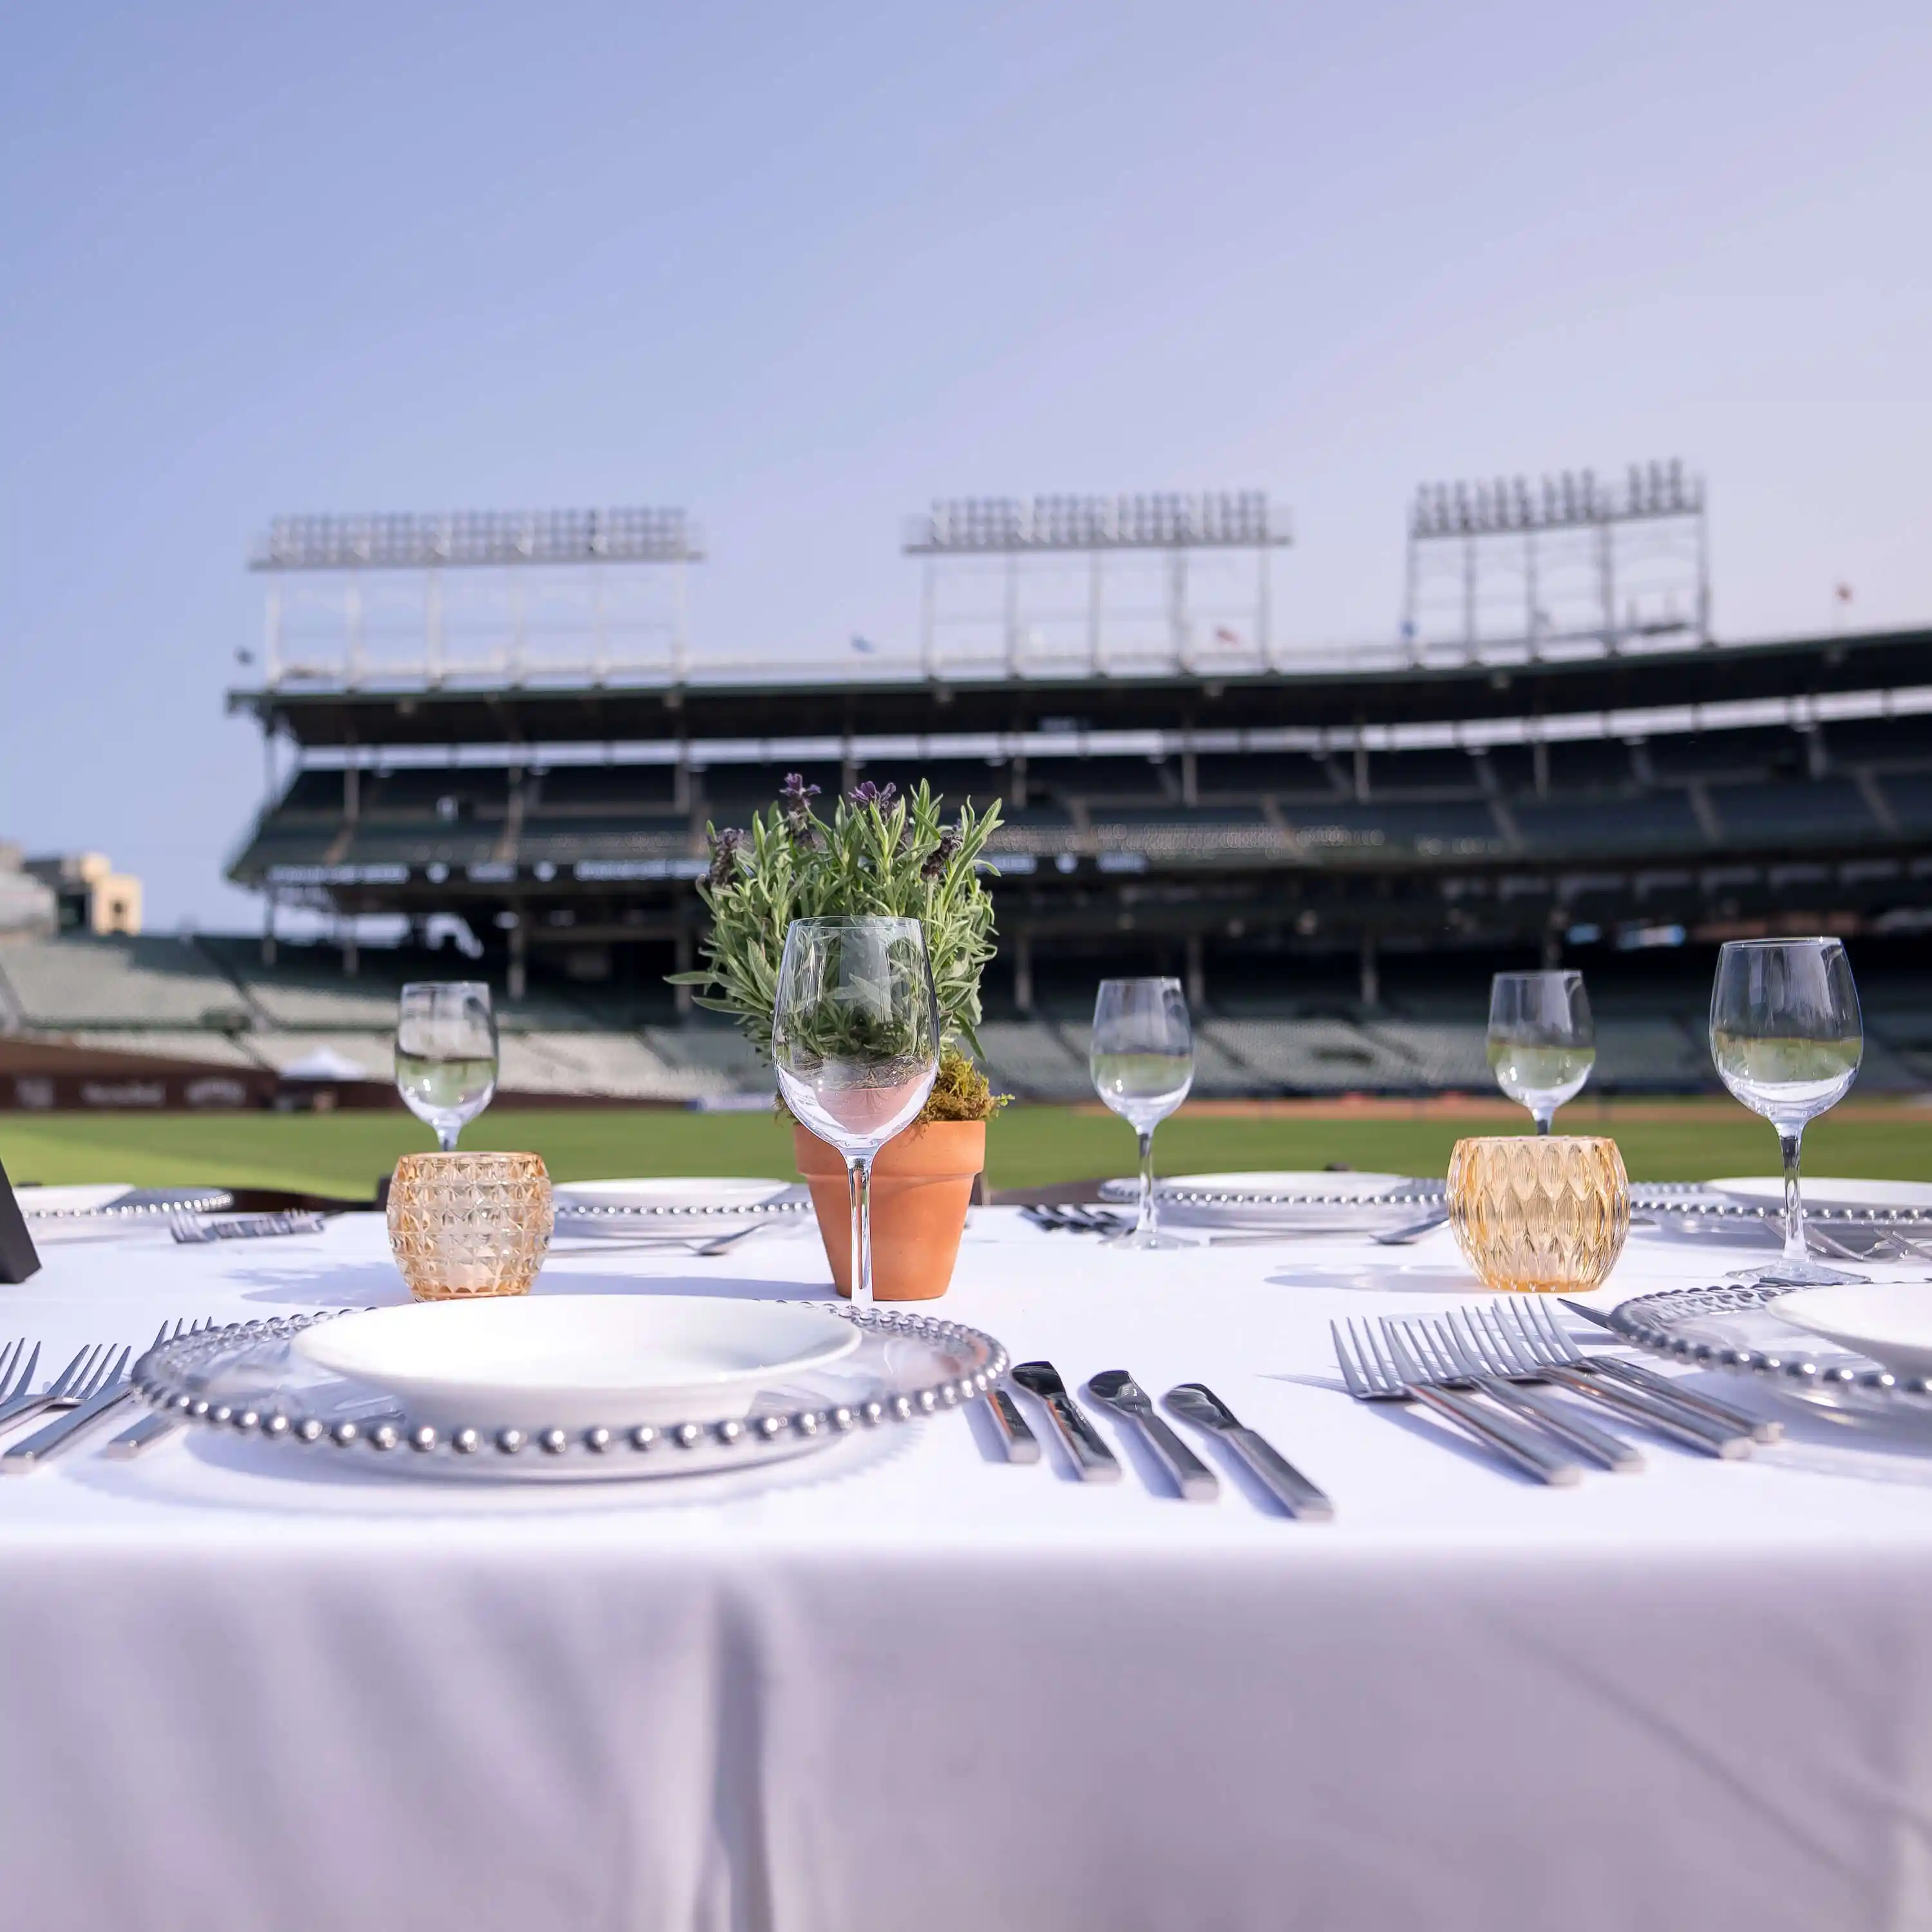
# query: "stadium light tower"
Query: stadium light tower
{"points": [[559, 594], [1502, 566], [1085, 549]]}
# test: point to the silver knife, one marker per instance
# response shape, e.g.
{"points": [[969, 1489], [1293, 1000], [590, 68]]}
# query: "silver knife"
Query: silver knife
{"points": [[1020, 1443], [23, 1457], [1671, 1390], [1196, 1482], [1197, 1403], [1093, 1462]]}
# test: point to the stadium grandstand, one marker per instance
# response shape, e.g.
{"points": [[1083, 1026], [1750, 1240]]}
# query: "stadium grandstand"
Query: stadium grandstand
{"points": [[487, 736], [1333, 850]]}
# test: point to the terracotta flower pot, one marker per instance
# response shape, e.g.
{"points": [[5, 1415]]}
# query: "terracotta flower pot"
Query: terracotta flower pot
{"points": [[921, 1184]]}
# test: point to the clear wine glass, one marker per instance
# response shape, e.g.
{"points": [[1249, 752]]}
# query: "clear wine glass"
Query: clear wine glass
{"points": [[1142, 1061], [855, 1039], [446, 1054], [1786, 1036], [1542, 1041]]}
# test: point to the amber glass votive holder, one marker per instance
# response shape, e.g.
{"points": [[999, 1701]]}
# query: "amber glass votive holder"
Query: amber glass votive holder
{"points": [[1539, 1213], [470, 1224]]}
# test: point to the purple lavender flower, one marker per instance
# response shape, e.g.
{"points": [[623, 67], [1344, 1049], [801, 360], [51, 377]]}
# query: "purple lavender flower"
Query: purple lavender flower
{"points": [[793, 796], [725, 847], [866, 793]]}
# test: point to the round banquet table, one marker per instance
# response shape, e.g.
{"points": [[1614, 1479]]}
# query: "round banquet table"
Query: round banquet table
{"points": [[903, 1684]]}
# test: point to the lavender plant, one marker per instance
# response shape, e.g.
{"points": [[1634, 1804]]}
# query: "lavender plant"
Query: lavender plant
{"points": [[879, 853]]}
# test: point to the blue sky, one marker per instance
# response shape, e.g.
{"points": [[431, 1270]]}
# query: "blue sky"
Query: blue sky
{"points": [[803, 269]]}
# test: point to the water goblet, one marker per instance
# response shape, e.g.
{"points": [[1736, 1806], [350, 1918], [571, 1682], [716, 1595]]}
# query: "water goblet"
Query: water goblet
{"points": [[446, 1054], [1786, 1036], [1142, 1058], [855, 1041], [1542, 1041]]}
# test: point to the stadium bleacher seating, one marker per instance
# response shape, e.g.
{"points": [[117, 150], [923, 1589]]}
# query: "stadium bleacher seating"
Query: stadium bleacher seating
{"points": [[211, 999], [1645, 822], [1817, 810], [1879, 744], [1288, 775], [1753, 752]]}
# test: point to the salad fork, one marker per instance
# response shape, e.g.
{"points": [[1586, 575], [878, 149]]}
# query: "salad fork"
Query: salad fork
{"points": [[1385, 1370], [73, 1385], [1713, 1427], [1452, 1354], [157, 1427], [13, 1385], [107, 1386], [110, 1387]]}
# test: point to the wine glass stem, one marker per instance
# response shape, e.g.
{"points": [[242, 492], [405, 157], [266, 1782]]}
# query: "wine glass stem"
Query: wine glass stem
{"points": [[1543, 1116], [859, 1175], [1143, 1219], [446, 1133], [1789, 1140]]}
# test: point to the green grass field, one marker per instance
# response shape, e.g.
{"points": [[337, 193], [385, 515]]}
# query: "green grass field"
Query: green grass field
{"points": [[344, 1153]]}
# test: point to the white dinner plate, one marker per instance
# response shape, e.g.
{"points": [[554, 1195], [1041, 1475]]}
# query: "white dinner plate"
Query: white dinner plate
{"points": [[670, 1194], [1823, 1191], [1890, 1321], [1345, 1185], [578, 1361]]}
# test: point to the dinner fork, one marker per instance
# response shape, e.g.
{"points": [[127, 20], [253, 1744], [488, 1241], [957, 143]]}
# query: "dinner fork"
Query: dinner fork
{"points": [[157, 1427], [11, 1384], [1385, 1370], [108, 1386], [1528, 1336], [107, 1390], [70, 1386], [1850, 1243], [1546, 1341], [1453, 1354]]}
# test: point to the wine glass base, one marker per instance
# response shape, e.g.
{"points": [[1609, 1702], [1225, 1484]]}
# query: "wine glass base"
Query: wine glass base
{"points": [[1152, 1238], [1795, 1274]]}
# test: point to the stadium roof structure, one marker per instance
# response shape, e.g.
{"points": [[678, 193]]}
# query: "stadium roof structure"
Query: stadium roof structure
{"points": [[1336, 696]]}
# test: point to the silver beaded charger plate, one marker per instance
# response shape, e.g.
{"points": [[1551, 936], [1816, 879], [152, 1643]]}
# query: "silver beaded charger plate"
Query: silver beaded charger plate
{"points": [[655, 1201], [1735, 1326], [1304, 1203], [249, 1380], [133, 1203]]}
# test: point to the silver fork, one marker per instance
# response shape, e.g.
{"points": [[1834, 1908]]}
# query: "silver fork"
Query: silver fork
{"points": [[13, 1385], [1384, 1370], [107, 1386], [107, 1391], [1533, 1335], [65, 1388], [1863, 1244], [157, 1427], [1662, 1387], [1453, 1353]]}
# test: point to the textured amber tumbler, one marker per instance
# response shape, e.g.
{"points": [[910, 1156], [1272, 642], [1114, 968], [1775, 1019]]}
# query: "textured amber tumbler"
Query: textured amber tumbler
{"points": [[463, 1224], [1539, 1212]]}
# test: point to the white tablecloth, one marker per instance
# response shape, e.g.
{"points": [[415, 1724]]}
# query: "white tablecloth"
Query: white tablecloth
{"points": [[904, 1685]]}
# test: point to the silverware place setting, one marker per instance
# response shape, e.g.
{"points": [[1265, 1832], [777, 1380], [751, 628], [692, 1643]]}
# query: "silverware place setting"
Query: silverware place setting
{"points": [[1509, 1375], [1188, 1477], [95, 1382], [195, 1230]]}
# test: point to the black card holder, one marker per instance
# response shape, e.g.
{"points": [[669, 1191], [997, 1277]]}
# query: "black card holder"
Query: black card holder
{"points": [[18, 1259]]}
